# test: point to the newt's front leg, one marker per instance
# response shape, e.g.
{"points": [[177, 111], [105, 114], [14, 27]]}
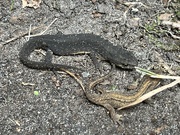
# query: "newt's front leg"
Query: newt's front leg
{"points": [[48, 57]]}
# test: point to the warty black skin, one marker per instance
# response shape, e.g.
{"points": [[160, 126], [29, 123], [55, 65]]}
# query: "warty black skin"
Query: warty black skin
{"points": [[65, 45]]}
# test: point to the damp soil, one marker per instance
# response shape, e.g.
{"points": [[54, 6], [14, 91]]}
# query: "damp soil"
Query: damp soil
{"points": [[61, 107]]}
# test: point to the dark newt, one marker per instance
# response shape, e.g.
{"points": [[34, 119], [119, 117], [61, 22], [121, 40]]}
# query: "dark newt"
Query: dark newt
{"points": [[114, 100], [65, 45]]}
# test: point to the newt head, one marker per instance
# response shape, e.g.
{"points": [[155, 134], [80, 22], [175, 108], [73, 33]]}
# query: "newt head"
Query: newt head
{"points": [[121, 57]]}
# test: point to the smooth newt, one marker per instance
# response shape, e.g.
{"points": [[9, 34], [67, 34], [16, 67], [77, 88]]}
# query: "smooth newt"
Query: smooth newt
{"points": [[113, 100]]}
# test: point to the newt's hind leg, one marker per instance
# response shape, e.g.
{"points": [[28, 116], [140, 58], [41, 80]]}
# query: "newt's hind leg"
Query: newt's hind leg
{"points": [[114, 116], [48, 57]]}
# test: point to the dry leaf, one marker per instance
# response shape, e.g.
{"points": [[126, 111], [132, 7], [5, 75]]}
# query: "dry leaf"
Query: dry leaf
{"points": [[173, 24], [165, 17], [159, 129], [97, 14], [31, 3]]}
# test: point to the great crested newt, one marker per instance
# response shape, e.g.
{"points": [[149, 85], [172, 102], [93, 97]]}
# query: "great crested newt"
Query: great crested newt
{"points": [[72, 44], [112, 100]]}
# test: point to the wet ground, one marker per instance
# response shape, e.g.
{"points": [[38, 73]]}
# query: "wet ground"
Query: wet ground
{"points": [[61, 106]]}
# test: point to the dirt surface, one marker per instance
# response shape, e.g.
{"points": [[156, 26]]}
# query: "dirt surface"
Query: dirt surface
{"points": [[61, 106]]}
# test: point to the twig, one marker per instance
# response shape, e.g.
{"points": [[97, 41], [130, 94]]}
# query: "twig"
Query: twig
{"points": [[21, 35], [29, 32], [41, 33], [74, 76], [124, 15], [155, 75], [25, 84], [15, 122], [130, 5], [172, 35], [164, 64], [25, 33]]}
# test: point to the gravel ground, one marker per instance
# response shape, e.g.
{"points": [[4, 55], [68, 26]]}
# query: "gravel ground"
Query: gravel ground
{"points": [[61, 106]]}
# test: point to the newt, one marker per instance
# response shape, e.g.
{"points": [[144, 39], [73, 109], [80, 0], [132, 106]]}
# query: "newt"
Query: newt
{"points": [[72, 44], [112, 100]]}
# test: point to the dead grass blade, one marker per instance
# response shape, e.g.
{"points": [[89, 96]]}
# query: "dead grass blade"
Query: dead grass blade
{"points": [[155, 91]]}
